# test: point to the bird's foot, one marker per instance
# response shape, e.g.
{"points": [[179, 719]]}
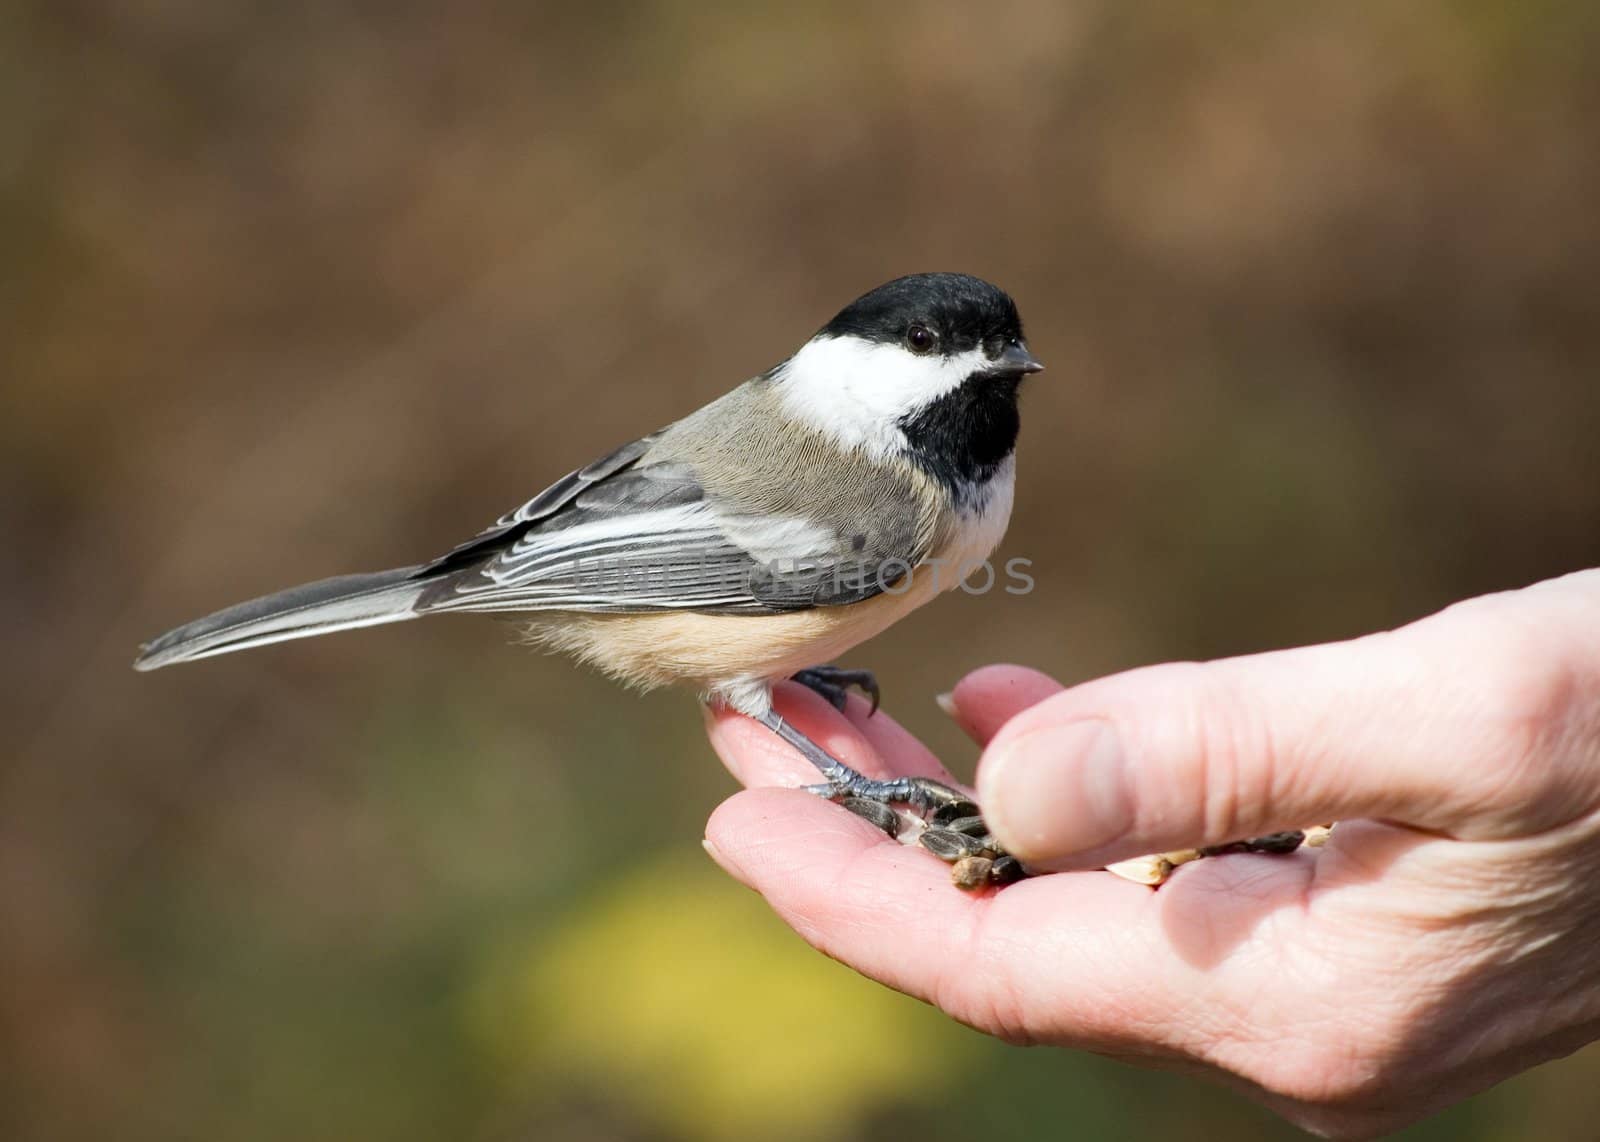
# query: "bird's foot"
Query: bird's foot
{"points": [[946, 821], [834, 682], [949, 826], [927, 796]]}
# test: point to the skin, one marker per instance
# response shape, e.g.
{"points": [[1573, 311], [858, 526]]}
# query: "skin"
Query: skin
{"points": [[1443, 940]]}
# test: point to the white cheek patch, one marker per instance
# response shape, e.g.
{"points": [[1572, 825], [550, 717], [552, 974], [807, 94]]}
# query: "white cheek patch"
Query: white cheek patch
{"points": [[856, 390]]}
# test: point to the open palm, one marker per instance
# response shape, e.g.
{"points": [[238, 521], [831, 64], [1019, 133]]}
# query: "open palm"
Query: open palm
{"points": [[1353, 988]]}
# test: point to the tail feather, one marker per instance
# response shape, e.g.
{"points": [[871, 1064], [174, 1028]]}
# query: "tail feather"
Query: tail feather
{"points": [[342, 603]]}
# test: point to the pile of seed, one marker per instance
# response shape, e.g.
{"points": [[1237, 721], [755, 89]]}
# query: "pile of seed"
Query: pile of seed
{"points": [[955, 833], [1156, 868]]}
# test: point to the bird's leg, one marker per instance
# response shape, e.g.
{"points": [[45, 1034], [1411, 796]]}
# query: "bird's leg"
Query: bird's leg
{"points": [[922, 793], [951, 829], [834, 682]]}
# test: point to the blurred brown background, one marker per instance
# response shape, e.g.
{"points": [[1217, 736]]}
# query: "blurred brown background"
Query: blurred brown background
{"points": [[294, 289]]}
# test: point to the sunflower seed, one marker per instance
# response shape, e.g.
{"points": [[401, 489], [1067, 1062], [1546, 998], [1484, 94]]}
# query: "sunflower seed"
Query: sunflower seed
{"points": [[972, 826], [953, 811], [875, 811], [947, 845], [1006, 870]]}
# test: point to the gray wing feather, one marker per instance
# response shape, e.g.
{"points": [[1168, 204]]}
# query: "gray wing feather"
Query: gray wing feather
{"points": [[649, 538], [547, 503], [716, 513]]}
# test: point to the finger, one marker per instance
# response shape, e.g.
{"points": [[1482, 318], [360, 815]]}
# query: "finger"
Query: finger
{"points": [[1051, 957], [991, 696], [1444, 725]]}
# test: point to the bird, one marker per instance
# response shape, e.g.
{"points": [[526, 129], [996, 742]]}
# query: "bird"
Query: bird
{"points": [[758, 538]]}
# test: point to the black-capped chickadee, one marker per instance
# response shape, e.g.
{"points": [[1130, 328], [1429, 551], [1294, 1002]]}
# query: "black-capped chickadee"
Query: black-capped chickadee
{"points": [[770, 531]]}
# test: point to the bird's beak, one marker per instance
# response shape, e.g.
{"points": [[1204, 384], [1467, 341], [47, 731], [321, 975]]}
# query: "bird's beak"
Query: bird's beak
{"points": [[1017, 359]]}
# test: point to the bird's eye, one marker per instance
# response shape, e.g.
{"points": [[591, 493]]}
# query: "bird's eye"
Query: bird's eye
{"points": [[921, 339]]}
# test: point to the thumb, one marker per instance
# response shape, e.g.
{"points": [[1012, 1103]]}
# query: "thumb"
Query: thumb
{"points": [[1455, 724]]}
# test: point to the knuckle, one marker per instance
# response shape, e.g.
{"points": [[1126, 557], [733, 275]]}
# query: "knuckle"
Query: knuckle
{"points": [[1185, 758], [1231, 752], [1206, 763]]}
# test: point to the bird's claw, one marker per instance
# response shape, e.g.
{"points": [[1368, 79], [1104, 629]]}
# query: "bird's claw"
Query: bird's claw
{"points": [[834, 683]]}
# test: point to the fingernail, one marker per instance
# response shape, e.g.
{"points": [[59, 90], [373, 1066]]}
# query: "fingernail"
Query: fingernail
{"points": [[722, 862], [947, 703], [1057, 791]]}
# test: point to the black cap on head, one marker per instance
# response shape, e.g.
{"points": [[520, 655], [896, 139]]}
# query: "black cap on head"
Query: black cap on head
{"points": [[960, 311]]}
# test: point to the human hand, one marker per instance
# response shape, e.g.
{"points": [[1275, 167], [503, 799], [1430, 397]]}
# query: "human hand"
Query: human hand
{"points": [[1442, 940]]}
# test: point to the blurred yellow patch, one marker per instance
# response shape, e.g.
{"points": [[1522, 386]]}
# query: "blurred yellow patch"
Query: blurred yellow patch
{"points": [[678, 992]]}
